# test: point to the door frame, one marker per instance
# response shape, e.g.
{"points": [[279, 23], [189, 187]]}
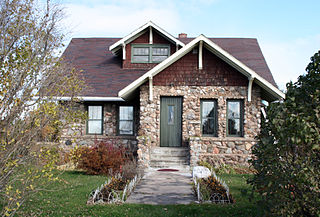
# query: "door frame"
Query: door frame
{"points": [[181, 126]]}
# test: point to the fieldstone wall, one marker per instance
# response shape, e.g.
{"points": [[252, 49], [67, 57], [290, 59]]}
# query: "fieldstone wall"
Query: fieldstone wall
{"points": [[231, 150], [75, 134]]}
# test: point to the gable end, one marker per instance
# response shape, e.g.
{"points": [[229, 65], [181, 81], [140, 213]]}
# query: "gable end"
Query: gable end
{"points": [[185, 72]]}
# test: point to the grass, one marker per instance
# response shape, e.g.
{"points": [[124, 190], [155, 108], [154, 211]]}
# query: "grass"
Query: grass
{"points": [[68, 198]]}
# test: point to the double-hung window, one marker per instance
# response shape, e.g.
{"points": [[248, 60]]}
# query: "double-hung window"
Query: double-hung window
{"points": [[146, 53], [209, 124], [235, 117], [95, 119], [126, 116]]}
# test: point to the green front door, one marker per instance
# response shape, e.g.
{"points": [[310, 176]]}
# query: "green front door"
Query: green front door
{"points": [[170, 121]]}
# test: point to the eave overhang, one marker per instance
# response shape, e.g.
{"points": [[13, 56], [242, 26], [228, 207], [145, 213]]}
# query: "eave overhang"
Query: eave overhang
{"points": [[89, 99], [273, 92]]}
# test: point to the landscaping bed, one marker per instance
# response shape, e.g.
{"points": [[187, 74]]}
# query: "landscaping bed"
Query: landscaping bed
{"points": [[212, 189], [115, 190]]}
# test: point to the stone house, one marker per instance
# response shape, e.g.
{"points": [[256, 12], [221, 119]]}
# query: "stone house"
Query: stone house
{"points": [[173, 100]]}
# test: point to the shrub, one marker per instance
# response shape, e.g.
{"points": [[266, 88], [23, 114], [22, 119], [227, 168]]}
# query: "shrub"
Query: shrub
{"points": [[222, 168], [287, 156], [130, 169], [102, 158]]}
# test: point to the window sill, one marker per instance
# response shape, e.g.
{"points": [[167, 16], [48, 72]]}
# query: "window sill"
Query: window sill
{"points": [[226, 139], [109, 137]]}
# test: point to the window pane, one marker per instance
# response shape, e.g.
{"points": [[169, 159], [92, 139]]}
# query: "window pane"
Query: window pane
{"points": [[126, 120], [234, 109], [94, 127], [158, 58], [208, 115], [207, 109], [126, 113], [140, 58], [235, 119], [160, 51], [170, 114], [141, 51], [234, 127], [126, 127], [95, 112], [208, 126]]}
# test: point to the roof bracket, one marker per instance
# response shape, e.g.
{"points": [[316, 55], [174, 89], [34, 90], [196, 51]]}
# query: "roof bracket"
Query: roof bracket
{"points": [[250, 88], [150, 35], [150, 88], [200, 54], [123, 51]]}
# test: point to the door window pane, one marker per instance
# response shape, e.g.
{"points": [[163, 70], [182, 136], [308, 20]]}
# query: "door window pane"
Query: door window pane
{"points": [[235, 117], [209, 117], [126, 120], [170, 114], [95, 120]]}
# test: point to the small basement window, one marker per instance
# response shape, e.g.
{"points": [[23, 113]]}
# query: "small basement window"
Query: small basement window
{"points": [[149, 53], [95, 119]]}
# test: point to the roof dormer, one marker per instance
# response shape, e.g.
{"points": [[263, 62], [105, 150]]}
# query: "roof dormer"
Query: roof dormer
{"points": [[146, 46]]}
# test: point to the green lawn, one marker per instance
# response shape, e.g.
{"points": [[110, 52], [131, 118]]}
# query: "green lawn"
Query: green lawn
{"points": [[69, 198]]}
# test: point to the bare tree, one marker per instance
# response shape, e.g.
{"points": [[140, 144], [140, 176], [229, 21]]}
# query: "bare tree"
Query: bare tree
{"points": [[31, 77]]}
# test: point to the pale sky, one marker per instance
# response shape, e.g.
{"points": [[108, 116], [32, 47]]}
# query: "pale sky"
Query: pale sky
{"points": [[288, 31]]}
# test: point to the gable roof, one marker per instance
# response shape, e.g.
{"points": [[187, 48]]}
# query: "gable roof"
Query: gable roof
{"points": [[136, 33], [103, 71], [246, 50], [271, 90]]}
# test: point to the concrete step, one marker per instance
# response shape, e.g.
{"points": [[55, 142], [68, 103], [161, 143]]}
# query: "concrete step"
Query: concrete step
{"points": [[172, 161], [168, 164], [170, 151], [168, 157]]}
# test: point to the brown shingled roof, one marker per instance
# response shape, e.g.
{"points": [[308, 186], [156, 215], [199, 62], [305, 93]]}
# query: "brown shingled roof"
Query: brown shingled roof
{"points": [[103, 72]]}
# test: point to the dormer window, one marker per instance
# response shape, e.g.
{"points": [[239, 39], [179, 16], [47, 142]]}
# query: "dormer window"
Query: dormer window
{"points": [[149, 53]]}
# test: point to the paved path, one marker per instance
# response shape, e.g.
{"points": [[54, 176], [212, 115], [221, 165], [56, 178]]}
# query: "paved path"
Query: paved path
{"points": [[163, 188]]}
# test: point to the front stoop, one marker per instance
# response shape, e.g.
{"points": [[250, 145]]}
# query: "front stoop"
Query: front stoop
{"points": [[169, 157]]}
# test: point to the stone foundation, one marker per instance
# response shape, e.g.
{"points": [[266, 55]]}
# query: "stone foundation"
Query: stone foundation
{"points": [[226, 151], [230, 150]]}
